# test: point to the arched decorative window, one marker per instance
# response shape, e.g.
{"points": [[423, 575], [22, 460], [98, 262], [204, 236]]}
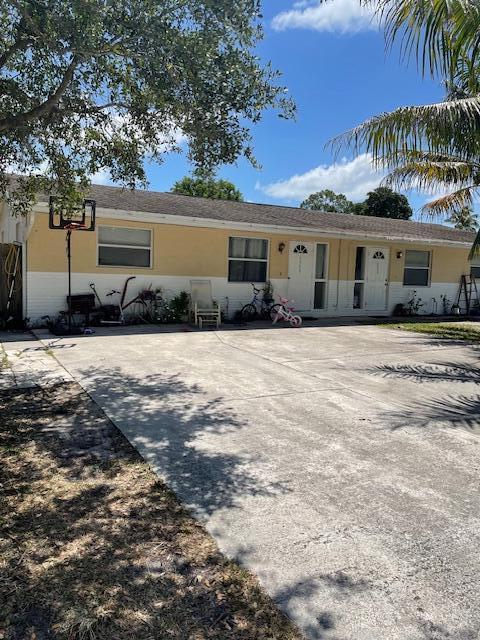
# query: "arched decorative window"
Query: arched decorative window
{"points": [[379, 255], [300, 248]]}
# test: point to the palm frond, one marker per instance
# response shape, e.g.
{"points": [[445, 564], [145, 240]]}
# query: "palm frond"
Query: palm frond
{"points": [[433, 174], [436, 32], [419, 155], [451, 202], [451, 127]]}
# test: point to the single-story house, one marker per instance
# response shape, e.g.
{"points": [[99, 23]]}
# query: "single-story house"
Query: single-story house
{"points": [[329, 264]]}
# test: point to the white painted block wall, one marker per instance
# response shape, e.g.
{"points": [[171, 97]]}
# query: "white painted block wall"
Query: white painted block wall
{"points": [[46, 293]]}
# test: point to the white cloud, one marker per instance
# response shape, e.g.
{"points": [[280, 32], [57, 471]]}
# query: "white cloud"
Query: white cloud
{"points": [[344, 16], [102, 176], [354, 178]]}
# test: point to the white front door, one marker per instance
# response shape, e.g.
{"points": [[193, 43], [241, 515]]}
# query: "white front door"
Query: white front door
{"points": [[376, 278], [300, 274]]}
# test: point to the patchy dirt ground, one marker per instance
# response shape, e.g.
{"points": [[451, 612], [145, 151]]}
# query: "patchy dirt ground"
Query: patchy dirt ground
{"points": [[93, 546]]}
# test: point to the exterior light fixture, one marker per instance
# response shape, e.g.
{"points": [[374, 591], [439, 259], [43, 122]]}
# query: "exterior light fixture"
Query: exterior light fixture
{"points": [[399, 254], [281, 247]]}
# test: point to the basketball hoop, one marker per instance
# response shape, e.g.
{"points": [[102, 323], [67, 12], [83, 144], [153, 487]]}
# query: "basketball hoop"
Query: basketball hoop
{"points": [[80, 218], [61, 217], [74, 226]]}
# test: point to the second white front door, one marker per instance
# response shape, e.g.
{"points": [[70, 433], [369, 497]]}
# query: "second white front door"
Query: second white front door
{"points": [[376, 278], [301, 262]]}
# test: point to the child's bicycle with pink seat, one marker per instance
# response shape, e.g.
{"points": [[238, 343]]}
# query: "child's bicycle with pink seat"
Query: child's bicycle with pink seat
{"points": [[283, 312]]}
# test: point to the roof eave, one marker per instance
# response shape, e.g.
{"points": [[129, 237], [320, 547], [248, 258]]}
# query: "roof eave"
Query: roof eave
{"points": [[192, 221]]}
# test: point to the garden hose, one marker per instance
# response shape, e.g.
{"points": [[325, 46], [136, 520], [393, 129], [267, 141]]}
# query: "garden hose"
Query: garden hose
{"points": [[13, 275]]}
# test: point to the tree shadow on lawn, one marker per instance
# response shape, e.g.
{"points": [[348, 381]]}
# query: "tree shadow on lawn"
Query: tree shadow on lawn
{"points": [[94, 546]]}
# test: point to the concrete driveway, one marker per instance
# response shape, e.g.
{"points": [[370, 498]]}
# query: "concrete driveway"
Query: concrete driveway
{"points": [[341, 464]]}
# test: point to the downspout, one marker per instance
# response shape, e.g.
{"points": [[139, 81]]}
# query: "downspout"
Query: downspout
{"points": [[338, 272]]}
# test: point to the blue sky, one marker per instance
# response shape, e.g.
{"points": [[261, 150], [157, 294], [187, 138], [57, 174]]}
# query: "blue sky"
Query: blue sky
{"points": [[334, 64]]}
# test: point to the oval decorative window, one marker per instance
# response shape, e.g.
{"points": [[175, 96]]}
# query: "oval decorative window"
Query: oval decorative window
{"points": [[300, 248], [378, 255]]}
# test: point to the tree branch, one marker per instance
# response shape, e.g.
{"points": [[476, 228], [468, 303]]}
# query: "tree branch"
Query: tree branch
{"points": [[18, 120], [18, 45]]}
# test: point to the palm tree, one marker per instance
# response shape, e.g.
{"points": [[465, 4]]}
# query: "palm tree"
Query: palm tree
{"points": [[434, 147]]}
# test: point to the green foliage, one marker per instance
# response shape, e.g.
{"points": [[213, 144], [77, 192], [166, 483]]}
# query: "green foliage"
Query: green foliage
{"points": [[177, 308], [204, 185], [444, 330], [385, 203], [328, 200], [103, 84], [358, 209], [267, 291], [382, 202], [464, 219]]}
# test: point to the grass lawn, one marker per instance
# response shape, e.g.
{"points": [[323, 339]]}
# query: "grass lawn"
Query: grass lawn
{"points": [[469, 331], [94, 546]]}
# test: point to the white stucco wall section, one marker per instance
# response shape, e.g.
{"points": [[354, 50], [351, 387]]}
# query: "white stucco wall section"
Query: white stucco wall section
{"points": [[47, 292]]}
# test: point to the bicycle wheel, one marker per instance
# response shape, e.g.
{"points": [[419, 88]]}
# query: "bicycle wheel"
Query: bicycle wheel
{"points": [[273, 312], [295, 321], [248, 313]]}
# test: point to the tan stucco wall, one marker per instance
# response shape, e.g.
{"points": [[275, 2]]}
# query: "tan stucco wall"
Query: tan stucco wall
{"points": [[203, 252], [447, 263]]}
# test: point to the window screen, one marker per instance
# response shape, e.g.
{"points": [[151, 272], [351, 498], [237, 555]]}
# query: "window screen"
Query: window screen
{"points": [[124, 247], [247, 260], [417, 268]]}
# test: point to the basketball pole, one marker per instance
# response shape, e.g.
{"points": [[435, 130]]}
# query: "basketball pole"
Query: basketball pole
{"points": [[62, 218], [69, 261]]}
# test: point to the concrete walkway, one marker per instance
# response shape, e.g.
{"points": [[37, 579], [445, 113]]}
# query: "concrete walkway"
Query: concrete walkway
{"points": [[341, 464], [25, 362]]}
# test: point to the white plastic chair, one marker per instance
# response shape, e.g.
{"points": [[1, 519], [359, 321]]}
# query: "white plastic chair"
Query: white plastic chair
{"points": [[203, 309]]}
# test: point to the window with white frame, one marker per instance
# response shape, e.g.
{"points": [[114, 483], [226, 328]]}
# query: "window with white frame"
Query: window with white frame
{"points": [[417, 268], [247, 259], [320, 292], [124, 247]]}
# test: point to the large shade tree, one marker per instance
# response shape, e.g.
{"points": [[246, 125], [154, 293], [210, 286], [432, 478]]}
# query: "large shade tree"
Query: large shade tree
{"points": [[328, 200], [90, 85], [383, 202], [436, 146], [204, 184]]}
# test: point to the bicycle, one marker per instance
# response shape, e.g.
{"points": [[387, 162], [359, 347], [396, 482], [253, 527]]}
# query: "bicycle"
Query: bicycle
{"points": [[258, 308], [286, 313]]}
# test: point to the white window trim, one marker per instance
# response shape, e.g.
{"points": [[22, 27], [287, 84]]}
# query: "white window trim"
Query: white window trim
{"points": [[266, 260], [325, 278], [428, 269], [124, 246]]}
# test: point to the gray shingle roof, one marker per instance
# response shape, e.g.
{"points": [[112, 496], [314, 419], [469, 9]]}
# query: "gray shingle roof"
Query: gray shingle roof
{"points": [[265, 214]]}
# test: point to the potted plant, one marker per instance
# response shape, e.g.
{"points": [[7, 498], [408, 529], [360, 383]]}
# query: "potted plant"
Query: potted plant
{"points": [[268, 293]]}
